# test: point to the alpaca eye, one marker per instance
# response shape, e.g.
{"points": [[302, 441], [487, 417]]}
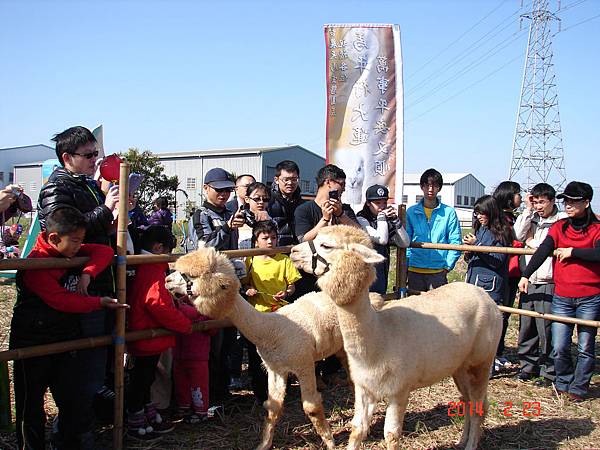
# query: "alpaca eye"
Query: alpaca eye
{"points": [[223, 286]]}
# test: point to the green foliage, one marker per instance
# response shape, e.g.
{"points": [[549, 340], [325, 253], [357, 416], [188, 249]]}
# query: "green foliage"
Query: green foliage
{"points": [[156, 183]]}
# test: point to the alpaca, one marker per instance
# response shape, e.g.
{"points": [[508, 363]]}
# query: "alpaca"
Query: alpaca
{"points": [[289, 340], [451, 331]]}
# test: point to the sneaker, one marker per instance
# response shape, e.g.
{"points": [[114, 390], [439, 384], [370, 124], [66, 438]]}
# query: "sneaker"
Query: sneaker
{"points": [[195, 418], [543, 382], [525, 376], [162, 426], [181, 413], [575, 397], [140, 434]]}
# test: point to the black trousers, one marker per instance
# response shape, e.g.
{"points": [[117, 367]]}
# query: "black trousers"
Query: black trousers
{"points": [[141, 378], [258, 374], [32, 377]]}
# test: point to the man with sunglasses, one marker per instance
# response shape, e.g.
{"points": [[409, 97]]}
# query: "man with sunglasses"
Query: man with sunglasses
{"points": [[72, 186]]}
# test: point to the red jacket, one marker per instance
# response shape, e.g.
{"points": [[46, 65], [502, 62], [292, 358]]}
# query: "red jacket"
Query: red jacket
{"points": [[151, 306], [195, 346], [45, 282], [574, 277]]}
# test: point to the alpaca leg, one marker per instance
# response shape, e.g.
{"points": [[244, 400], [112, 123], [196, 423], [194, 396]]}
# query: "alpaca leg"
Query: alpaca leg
{"points": [[479, 380], [364, 406], [343, 358], [313, 404], [274, 407], [394, 418], [472, 383], [461, 379]]}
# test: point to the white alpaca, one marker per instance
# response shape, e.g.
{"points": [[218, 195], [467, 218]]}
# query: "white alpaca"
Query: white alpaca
{"points": [[451, 331], [353, 164], [289, 340]]}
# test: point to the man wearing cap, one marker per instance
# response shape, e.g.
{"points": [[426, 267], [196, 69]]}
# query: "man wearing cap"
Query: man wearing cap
{"points": [[217, 227], [575, 242], [380, 221], [214, 224]]}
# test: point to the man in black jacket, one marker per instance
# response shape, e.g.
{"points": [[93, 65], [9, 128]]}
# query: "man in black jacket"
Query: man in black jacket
{"points": [[73, 185], [285, 198]]}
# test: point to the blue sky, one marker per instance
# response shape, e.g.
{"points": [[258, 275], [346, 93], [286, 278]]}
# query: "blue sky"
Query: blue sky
{"points": [[186, 75]]}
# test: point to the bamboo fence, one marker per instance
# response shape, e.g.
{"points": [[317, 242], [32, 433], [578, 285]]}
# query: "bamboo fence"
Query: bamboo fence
{"points": [[120, 337]]}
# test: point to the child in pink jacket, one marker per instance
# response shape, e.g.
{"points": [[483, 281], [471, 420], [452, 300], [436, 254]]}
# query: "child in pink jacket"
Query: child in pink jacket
{"points": [[190, 369]]}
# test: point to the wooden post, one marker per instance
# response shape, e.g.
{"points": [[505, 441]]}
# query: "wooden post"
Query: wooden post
{"points": [[401, 262], [5, 412], [119, 332]]}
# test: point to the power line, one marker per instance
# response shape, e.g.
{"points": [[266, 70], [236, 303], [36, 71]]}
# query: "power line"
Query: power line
{"points": [[456, 40], [463, 90], [467, 69], [466, 52], [577, 24]]}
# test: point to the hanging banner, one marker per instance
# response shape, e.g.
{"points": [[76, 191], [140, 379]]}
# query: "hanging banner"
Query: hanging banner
{"points": [[365, 122]]}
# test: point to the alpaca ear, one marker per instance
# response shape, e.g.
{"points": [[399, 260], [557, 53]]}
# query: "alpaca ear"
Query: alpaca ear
{"points": [[367, 254]]}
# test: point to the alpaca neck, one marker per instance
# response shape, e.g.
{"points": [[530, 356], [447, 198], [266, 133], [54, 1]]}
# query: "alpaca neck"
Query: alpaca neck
{"points": [[358, 323], [251, 322]]}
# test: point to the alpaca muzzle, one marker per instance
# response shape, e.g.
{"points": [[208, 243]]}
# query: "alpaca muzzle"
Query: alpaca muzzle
{"points": [[316, 258]]}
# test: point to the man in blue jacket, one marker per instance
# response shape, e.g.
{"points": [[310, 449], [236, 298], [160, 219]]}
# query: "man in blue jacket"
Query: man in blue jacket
{"points": [[431, 221]]}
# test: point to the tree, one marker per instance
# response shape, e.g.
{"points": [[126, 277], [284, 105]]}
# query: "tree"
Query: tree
{"points": [[156, 183]]}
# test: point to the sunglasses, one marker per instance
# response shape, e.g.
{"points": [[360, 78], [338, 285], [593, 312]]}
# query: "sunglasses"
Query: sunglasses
{"points": [[87, 155], [259, 199], [221, 190]]}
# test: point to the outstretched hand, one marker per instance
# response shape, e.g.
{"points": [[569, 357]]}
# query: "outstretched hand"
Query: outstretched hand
{"points": [[113, 303]]}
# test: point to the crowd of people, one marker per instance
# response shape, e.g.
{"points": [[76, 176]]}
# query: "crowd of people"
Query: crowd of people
{"points": [[78, 218]]}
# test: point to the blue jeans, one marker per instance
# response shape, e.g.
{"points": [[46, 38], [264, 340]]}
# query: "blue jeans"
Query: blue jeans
{"points": [[568, 378]]}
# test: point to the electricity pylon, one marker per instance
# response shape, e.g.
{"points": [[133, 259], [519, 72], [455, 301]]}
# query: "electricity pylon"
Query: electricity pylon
{"points": [[537, 154]]}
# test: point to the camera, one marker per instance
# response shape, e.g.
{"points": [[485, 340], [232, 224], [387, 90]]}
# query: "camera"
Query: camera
{"points": [[334, 194]]}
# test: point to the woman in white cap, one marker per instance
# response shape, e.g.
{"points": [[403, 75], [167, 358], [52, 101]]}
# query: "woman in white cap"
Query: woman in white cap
{"points": [[575, 242], [381, 222]]}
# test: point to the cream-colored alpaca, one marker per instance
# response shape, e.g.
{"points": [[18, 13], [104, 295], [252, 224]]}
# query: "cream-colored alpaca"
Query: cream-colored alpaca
{"points": [[289, 340], [451, 331]]}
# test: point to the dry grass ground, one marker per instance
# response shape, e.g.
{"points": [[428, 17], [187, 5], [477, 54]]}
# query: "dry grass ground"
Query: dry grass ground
{"points": [[513, 421]]}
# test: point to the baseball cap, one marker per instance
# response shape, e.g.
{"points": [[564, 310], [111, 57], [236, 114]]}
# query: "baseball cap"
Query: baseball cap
{"points": [[377, 192], [577, 190], [218, 178]]}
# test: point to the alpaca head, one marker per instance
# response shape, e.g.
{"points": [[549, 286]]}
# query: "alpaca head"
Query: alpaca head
{"points": [[353, 164], [343, 258], [213, 282]]}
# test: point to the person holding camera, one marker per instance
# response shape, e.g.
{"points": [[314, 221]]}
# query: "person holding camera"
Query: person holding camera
{"points": [[381, 222], [326, 209]]}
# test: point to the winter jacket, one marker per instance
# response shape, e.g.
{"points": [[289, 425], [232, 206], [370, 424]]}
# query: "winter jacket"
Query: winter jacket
{"points": [[151, 306], [532, 229], [442, 228], [194, 346], [282, 211], [47, 307], [82, 193], [161, 217], [138, 218], [211, 225], [488, 270]]}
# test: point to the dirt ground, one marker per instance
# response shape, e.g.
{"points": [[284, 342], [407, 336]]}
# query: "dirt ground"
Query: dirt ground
{"points": [[521, 415]]}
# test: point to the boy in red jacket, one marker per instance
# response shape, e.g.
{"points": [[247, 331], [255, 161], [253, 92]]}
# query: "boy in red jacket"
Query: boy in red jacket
{"points": [[151, 307], [47, 310]]}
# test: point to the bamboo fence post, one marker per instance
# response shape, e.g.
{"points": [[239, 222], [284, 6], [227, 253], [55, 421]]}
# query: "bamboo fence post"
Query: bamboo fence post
{"points": [[119, 332]]}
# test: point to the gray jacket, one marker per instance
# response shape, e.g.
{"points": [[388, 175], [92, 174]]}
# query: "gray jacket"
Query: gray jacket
{"points": [[211, 227], [532, 229]]}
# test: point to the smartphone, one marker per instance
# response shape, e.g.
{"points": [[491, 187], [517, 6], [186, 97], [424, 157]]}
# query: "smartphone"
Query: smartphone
{"points": [[334, 194]]}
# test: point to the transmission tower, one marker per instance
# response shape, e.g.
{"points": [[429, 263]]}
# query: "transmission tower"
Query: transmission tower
{"points": [[537, 154]]}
